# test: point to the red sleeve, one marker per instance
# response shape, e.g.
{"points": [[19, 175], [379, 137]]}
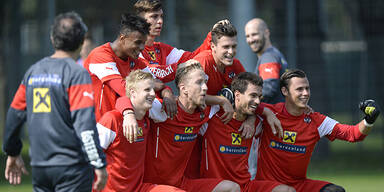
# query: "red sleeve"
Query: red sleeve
{"points": [[239, 68], [344, 132], [203, 59], [109, 121], [102, 64], [118, 85], [123, 103], [80, 96], [19, 101], [270, 70]]}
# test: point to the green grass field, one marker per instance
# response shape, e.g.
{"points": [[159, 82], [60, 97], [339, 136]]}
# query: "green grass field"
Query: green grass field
{"points": [[356, 167]]}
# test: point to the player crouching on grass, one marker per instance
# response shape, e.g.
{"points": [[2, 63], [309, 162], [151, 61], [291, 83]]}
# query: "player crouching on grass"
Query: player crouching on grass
{"points": [[126, 160]]}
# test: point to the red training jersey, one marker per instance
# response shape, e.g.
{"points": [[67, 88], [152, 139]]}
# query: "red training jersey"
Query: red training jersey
{"points": [[286, 160], [216, 79], [125, 160], [170, 146], [104, 65], [164, 54], [225, 153]]}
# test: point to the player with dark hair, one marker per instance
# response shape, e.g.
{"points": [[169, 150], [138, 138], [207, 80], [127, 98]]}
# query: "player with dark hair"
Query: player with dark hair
{"points": [[221, 67], [225, 153], [108, 64], [158, 52], [286, 159], [271, 64], [172, 140], [161, 53], [126, 167], [55, 98]]}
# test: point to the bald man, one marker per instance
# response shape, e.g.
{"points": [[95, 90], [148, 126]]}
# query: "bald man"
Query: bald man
{"points": [[271, 64]]}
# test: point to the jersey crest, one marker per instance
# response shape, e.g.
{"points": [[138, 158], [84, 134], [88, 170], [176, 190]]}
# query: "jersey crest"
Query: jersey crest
{"points": [[202, 115], [289, 136], [231, 75], [132, 64], [307, 119], [41, 100]]}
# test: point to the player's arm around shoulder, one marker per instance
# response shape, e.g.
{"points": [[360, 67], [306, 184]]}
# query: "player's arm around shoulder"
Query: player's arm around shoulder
{"points": [[157, 112]]}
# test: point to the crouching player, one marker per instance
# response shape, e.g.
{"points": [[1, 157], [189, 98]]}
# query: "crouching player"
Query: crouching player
{"points": [[126, 160], [225, 153]]}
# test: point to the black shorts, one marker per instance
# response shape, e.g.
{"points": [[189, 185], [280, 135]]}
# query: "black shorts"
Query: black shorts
{"points": [[63, 178]]}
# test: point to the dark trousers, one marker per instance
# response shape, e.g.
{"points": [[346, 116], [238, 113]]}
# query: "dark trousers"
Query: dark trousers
{"points": [[62, 178]]}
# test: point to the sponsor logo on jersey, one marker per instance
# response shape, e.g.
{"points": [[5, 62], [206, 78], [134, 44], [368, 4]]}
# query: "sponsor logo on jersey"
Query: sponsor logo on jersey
{"points": [[268, 70], [157, 50], [236, 139], [132, 64], [288, 147], [140, 134], [188, 130], [152, 55], [231, 75], [202, 115], [88, 94], [41, 100], [233, 149], [161, 72], [307, 119], [184, 137], [289, 136], [109, 68], [44, 79]]}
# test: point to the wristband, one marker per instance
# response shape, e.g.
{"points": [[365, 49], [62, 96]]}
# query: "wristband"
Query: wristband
{"points": [[367, 124], [126, 112]]}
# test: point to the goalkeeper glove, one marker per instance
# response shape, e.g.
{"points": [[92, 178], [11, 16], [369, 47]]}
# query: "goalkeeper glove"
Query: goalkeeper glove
{"points": [[370, 110], [227, 93]]}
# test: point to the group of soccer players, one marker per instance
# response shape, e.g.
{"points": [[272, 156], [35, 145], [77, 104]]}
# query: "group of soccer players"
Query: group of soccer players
{"points": [[216, 133]]}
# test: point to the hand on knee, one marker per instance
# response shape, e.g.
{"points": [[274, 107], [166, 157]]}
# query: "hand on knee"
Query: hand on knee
{"points": [[332, 188], [283, 188], [227, 186]]}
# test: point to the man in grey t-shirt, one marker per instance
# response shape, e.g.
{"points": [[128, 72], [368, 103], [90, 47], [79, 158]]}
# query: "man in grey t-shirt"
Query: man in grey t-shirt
{"points": [[271, 63]]}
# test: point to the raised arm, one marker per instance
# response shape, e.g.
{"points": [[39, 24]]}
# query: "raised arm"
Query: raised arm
{"points": [[358, 132]]}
